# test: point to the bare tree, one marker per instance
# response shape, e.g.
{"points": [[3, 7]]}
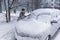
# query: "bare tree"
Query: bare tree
{"points": [[8, 8], [5, 9], [14, 4], [0, 6], [28, 6], [36, 4]]}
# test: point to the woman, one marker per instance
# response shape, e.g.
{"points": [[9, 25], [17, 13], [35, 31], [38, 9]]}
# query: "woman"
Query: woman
{"points": [[22, 14]]}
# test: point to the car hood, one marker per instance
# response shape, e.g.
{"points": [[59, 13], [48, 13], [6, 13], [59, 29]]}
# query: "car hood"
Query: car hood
{"points": [[32, 27]]}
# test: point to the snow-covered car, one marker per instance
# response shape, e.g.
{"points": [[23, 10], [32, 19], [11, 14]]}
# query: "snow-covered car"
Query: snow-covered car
{"points": [[38, 27]]}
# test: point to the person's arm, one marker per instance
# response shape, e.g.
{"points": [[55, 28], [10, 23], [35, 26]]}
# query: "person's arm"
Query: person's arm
{"points": [[29, 15]]}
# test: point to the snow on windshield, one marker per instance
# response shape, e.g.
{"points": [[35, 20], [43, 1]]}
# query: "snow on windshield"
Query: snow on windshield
{"points": [[44, 18], [32, 27]]}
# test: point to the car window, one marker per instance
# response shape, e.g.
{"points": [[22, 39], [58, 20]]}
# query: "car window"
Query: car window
{"points": [[44, 17]]}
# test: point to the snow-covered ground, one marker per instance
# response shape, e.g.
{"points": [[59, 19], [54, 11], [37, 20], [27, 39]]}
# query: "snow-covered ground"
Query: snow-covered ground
{"points": [[57, 36], [7, 29]]}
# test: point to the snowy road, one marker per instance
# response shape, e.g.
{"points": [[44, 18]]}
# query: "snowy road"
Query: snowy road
{"points": [[57, 36], [7, 31]]}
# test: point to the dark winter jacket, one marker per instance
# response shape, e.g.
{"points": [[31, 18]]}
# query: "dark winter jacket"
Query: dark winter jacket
{"points": [[21, 15]]}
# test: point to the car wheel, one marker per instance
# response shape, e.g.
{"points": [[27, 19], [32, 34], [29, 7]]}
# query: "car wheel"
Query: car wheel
{"points": [[15, 39], [59, 28], [48, 37]]}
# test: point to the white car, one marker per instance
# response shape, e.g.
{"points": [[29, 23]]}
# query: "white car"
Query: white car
{"points": [[38, 27]]}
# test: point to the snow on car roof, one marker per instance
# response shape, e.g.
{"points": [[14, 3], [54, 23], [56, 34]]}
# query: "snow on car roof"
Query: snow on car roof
{"points": [[46, 10]]}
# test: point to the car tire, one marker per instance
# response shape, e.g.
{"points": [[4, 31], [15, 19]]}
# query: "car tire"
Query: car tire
{"points": [[59, 28], [48, 37], [15, 39]]}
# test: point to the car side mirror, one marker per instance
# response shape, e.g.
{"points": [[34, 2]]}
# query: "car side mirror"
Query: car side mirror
{"points": [[54, 21]]}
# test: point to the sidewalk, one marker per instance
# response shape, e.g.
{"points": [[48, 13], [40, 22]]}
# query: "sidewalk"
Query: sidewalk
{"points": [[7, 31]]}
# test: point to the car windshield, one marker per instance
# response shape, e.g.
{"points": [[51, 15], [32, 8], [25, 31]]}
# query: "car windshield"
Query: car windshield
{"points": [[40, 17], [45, 17]]}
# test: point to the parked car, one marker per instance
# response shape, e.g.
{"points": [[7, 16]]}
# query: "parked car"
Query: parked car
{"points": [[42, 25]]}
